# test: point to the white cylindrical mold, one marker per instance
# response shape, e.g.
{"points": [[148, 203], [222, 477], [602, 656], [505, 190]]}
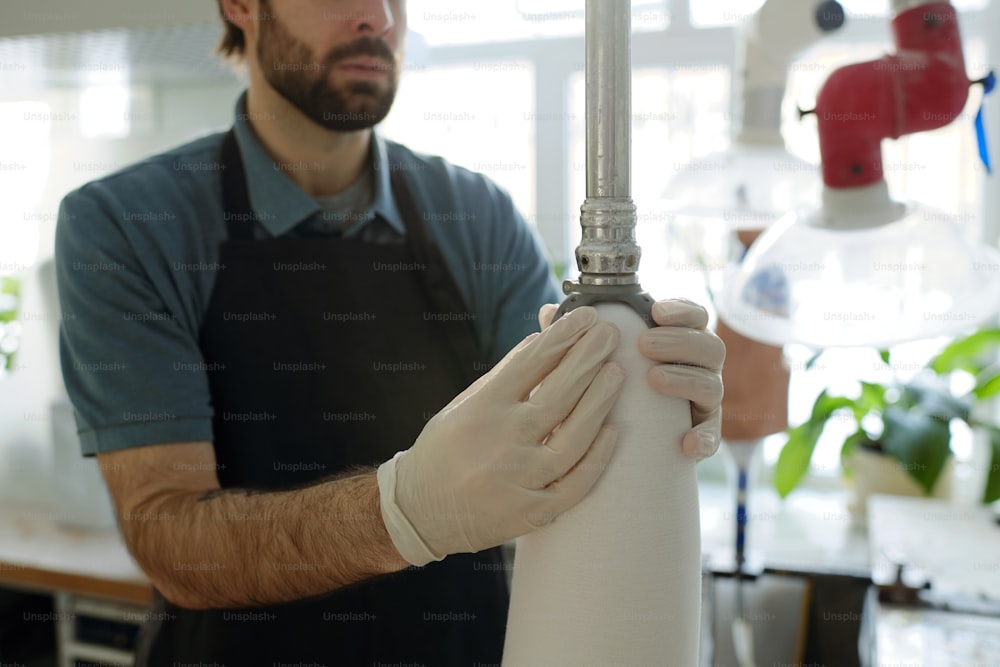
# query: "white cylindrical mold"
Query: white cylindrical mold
{"points": [[617, 579]]}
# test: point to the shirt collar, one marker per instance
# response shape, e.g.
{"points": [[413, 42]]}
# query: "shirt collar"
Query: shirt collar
{"points": [[384, 203], [280, 204]]}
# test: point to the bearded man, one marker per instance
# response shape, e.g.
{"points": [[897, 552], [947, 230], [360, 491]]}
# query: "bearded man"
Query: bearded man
{"points": [[282, 376]]}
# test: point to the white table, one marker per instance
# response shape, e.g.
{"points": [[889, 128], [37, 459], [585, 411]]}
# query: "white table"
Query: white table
{"points": [[39, 554], [957, 549], [89, 573]]}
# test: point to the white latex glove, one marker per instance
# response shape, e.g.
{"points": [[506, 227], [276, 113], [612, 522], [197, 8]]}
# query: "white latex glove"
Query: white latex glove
{"points": [[500, 460], [690, 367]]}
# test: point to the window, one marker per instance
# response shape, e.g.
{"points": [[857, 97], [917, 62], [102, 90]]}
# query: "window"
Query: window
{"points": [[24, 165], [533, 114], [104, 111], [678, 114], [477, 115], [444, 22]]}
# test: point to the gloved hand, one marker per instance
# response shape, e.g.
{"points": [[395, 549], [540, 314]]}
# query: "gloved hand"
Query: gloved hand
{"points": [[499, 461], [690, 367]]}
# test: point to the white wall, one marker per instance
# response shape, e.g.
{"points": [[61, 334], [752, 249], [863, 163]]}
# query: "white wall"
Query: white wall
{"points": [[181, 113], [34, 17]]}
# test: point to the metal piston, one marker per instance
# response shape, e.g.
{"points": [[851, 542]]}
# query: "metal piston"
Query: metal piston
{"points": [[608, 255]]}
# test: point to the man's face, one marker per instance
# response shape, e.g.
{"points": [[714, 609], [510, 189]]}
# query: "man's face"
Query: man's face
{"points": [[338, 64]]}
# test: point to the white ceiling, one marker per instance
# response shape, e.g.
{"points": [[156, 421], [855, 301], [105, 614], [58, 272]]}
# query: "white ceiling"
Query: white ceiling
{"points": [[46, 43], [169, 54]]}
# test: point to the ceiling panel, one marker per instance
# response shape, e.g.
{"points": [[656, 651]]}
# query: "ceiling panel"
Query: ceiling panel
{"points": [[181, 54]]}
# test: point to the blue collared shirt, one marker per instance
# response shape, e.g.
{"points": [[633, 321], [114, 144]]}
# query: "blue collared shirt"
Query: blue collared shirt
{"points": [[282, 205], [137, 253]]}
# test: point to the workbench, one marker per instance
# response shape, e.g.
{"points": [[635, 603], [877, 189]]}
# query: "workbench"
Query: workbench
{"points": [[89, 573]]}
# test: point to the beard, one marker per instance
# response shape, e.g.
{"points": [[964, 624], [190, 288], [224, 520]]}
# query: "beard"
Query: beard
{"points": [[292, 69]]}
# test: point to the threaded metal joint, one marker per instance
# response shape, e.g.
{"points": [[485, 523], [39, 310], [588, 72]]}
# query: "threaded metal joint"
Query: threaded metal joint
{"points": [[608, 251]]}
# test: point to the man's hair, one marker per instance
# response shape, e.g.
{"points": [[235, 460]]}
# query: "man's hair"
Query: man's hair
{"points": [[232, 45]]}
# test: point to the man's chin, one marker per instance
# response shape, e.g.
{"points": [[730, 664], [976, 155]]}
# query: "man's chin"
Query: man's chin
{"points": [[353, 78], [348, 86], [353, 118]]}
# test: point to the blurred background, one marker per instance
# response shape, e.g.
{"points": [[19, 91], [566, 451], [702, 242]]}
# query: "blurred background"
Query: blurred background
{"points": [[497, 87]]}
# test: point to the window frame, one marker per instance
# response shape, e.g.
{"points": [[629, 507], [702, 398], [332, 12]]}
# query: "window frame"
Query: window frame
{"points": [[555, 60]]}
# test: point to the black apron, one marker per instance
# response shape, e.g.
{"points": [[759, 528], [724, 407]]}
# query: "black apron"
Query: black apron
{"points": [[324, 354]]}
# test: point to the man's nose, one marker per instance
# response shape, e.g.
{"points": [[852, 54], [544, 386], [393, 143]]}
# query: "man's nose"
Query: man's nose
{"points": [[373, 17]]}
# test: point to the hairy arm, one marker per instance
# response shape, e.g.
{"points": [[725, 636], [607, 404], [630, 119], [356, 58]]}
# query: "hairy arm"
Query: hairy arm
{"points": [[205, 547]]}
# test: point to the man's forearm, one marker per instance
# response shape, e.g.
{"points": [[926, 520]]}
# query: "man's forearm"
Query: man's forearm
{"points": [[239, 547]]}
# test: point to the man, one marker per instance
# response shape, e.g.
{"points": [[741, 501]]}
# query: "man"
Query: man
{"points": [[278, 310]]}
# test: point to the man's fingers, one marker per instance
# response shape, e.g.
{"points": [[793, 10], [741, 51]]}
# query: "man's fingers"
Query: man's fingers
{"points": [[487, 377], [690, 360], [570, 441], [563, 387], [704, 390], [545, 315], [702, 387], [571, 488], [524, 370], [680, 313], [703, 440], [681, 345]]}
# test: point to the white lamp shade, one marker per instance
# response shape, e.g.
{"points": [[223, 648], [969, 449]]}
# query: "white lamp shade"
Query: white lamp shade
{"points": [[746, 186], [809, 282]]}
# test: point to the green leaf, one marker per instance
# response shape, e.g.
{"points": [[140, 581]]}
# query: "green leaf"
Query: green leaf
{"points": [[992, 491], [884, 355], [10, 286], [987, 383], [872, 398], [813, 359], [826, 405], [793, 462], [851, 442], [935, 399], [920, 442], [966, 354]]}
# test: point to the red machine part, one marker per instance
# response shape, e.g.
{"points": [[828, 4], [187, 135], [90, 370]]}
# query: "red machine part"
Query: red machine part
{"points": [[923, 86]]}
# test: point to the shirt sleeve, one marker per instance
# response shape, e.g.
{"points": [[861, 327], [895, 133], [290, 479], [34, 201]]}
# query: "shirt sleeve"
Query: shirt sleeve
{"points": [[135, 376], [519, 277]]}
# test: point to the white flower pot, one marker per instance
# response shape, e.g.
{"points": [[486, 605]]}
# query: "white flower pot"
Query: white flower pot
{"points": [[876, 473]]}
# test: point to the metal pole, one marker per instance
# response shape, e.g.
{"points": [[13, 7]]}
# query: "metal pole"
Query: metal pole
{"points": [[608, 253], [609, 99]]}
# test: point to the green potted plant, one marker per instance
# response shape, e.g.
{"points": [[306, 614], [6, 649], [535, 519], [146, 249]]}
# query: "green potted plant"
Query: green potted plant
{"points": [[10, 328], [909, 422]]}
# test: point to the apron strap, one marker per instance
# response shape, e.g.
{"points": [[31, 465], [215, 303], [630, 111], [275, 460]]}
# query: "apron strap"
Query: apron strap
{"points": [[438, 281], [239, 214]]}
